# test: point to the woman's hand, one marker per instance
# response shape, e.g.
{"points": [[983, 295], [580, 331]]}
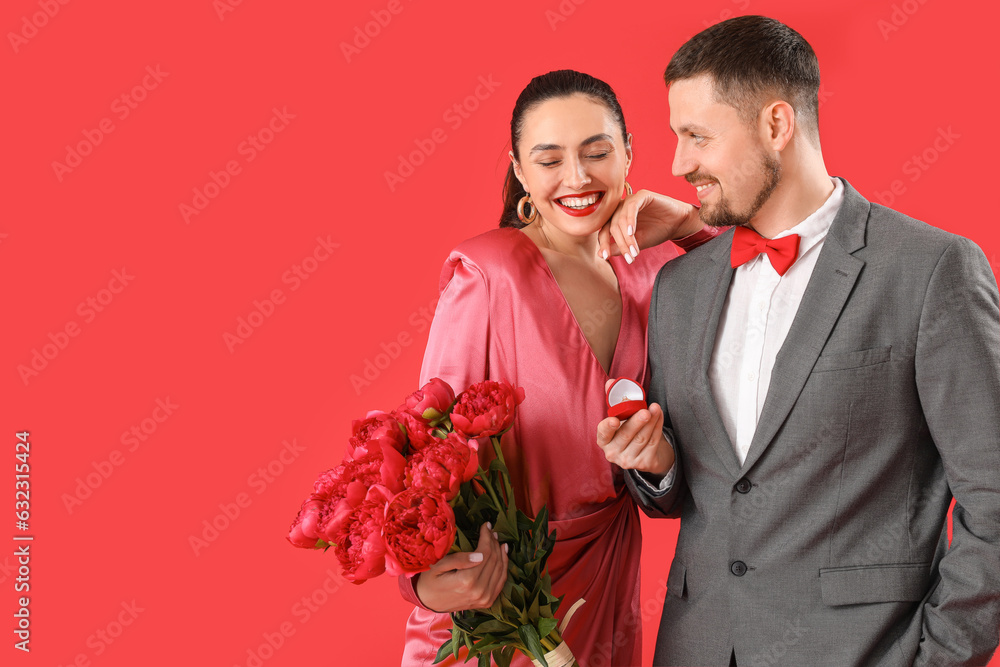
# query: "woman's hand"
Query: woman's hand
{"points": [[643, 220], [467, 580]]}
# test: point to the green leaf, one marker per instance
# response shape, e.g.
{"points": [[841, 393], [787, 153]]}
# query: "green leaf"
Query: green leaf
{"points": [[546, 625], [504, 656], [443, 651], [456, 640], [530, 638], [484, 660]]}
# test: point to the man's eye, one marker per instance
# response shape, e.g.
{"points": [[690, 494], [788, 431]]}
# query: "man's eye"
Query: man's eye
{"points": [[697, 138]]}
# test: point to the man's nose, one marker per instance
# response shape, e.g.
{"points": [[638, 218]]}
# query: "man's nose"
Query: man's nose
{"points": [[683, 163]]}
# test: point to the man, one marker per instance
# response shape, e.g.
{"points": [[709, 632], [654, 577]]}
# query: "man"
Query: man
{"points": [[829, 377]]}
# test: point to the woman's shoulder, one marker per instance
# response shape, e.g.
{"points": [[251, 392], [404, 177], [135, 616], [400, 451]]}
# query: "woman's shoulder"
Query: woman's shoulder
{"points": [[495, 253]]}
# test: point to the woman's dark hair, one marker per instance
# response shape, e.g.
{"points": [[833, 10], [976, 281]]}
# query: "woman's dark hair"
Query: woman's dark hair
{"points": [[560, 83]]}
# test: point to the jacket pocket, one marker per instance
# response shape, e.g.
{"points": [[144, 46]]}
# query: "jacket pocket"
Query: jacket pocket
{"points": [[859, 359], [677, 579], [865, 584]]}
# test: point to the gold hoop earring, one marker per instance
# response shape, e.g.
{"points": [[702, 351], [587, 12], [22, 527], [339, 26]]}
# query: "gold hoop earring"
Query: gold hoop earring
{"points": [[526, 201], [628, 189]]}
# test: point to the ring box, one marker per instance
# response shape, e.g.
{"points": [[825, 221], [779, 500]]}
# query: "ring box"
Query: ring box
{"points": [[625, 398]]}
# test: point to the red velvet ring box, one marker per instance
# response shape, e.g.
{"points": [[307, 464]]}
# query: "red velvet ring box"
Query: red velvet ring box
{"points": [[625, 398]]}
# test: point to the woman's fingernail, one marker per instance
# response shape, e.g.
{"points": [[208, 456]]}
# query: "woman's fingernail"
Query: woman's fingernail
{"points": [[635, 252], [489, 525], [604, 254], [628, 258], [505, 547], [475, 557], [629, 230], [495, 536]]}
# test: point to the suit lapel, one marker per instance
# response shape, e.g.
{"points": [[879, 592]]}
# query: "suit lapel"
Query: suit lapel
{"points": [[709, 297], [829, 287]]}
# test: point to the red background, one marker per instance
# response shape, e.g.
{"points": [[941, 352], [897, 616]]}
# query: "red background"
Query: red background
{"points": [[895, 75]]}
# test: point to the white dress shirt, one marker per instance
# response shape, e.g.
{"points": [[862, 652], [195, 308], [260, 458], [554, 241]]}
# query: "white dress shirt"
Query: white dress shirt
{"points": [[756, 317]]}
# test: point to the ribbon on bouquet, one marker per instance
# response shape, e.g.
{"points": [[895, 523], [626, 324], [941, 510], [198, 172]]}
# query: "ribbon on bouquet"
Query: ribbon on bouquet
{"points": [[561, 656]]}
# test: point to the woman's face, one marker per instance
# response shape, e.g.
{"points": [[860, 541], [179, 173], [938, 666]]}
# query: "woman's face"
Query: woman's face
{"points": [[573, 163]]}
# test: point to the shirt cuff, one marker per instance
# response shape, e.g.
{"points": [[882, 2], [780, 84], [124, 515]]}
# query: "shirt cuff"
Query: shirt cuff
{"points": [[663, 485]]}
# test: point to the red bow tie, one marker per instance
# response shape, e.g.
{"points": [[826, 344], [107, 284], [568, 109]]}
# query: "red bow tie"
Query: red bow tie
{"points": [[747, 244]]}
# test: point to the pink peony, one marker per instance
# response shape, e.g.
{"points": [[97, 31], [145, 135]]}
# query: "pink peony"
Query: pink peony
{"points": [[354, 527], [419, 530], [444, 466], [486, 408], [431, 402]]}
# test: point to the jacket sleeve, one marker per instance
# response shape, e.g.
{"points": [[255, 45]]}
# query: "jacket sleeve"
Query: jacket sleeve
{"points": [[655, 502], [457, 345], [958, 380]]}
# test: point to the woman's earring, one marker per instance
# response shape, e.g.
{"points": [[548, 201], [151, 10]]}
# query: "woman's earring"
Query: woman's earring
{"points": [[526, 201], [628, 189]]}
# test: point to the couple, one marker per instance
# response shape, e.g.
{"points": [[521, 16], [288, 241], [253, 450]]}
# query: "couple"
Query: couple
{"points": [[823, 378]]}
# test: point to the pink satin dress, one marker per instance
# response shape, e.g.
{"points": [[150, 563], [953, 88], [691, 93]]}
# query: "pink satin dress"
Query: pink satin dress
{"points": [[502, 316]]}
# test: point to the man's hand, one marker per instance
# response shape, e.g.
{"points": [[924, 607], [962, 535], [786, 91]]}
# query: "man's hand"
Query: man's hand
{"points": [[643, 220], [464, 580], [638, 442]]}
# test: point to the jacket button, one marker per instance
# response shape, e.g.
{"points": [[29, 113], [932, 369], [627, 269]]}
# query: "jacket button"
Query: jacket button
{"points": [[739, 568], [744, 485]]}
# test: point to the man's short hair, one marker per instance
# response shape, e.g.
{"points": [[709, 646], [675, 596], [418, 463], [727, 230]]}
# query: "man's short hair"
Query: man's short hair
{"points": [[753, 61]]}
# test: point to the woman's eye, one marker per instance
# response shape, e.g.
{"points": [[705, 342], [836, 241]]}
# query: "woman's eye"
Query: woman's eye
{"points": [[598, 156], [549, 164]]}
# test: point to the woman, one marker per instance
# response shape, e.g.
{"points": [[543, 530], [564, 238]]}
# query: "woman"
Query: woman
{"points": [[538, 303]]}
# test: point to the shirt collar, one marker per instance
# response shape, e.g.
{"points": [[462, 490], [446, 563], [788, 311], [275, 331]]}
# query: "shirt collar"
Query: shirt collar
{"points": [[814, 228]]}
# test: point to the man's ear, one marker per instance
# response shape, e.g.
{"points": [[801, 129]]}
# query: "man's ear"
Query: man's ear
{"points": [[517, 170], [777, 122]]}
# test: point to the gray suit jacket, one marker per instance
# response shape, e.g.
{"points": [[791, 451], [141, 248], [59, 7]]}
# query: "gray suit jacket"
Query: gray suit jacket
{"points": [[829, 545]]}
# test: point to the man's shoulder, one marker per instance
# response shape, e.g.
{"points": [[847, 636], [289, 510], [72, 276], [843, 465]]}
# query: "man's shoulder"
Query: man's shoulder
{"points": [[695, 262], [893, 236]]}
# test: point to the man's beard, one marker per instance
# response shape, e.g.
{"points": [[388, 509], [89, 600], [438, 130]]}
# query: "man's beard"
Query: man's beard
{"points": [[721, 214]]}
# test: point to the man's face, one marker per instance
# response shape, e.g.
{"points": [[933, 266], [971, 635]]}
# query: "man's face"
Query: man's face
{"points": [[719, 154]]}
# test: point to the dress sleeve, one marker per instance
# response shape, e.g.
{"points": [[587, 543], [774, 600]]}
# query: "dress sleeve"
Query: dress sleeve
{"points": [[457, 345], [703, 235]]}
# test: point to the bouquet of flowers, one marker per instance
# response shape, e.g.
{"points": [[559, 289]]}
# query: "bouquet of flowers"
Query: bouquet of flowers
{"points": [[410, 490]]}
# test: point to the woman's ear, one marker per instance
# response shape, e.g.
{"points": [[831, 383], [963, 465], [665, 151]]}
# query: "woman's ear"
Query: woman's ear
{"points": [[517, 170], [628, 153]]}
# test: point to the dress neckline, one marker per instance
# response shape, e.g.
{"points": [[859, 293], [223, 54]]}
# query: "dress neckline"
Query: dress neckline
{"points": [[540, 259]]}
